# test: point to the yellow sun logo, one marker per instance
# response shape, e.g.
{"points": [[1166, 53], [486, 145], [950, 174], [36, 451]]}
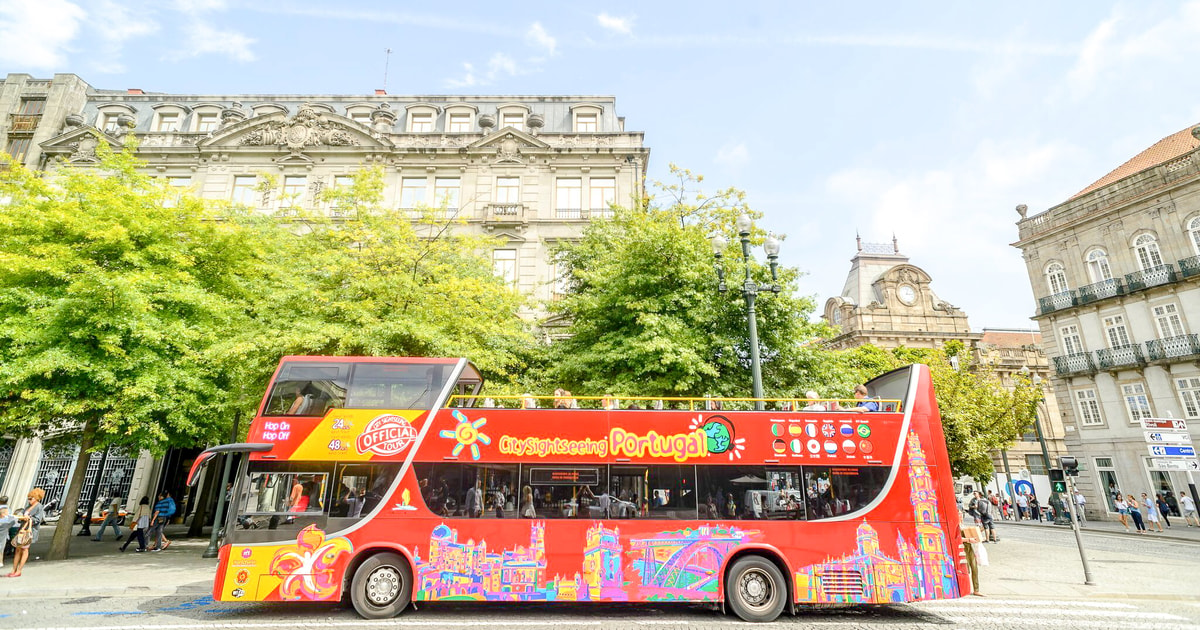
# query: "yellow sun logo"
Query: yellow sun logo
{"points": [[467, 433]]}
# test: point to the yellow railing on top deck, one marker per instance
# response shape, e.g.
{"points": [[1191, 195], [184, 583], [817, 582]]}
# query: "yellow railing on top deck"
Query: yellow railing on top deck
{"points": [[658, 403]]}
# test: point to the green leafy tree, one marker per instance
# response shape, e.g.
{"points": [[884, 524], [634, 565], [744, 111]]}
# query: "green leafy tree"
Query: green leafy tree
{"points": [[645, 314], [112, 291]]}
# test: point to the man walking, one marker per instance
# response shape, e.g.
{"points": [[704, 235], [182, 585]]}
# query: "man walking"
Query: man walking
{"points": [[164, 509], [983, 508], [1022, 506], [111, 518], [1188, 507], [1080, 504]]}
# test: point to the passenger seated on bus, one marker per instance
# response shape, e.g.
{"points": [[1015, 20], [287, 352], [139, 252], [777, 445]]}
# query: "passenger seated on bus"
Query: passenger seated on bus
{"points": [[860, 394], [562, 399], [301, 405], [527, 510], [815, 403], [528, 402]]}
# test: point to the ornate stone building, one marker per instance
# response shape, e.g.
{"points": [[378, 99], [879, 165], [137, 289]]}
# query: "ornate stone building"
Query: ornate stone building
{"points": [[889, 302], [529, 170], [1116, 273]]}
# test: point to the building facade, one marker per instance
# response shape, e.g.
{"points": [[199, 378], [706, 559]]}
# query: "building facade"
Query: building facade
{"points": [[531, 171], [1115, 271], [889, 302]]}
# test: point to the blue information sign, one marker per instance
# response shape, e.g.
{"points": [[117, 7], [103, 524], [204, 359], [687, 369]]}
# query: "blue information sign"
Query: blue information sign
{"points": [[1162, 450]]}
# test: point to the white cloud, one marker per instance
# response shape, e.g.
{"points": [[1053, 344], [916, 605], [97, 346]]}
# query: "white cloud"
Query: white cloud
{"points": [[498, 66], [1121, 43], [203, 39], [732, 155], [199, 6], [35, 34], [116, 24], [616, 24], [538, 37]]}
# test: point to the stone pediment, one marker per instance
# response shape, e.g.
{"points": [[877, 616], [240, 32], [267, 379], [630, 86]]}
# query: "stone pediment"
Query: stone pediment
{"points": [[509, 145], [79, 144], [911, 274], [310, 128]]}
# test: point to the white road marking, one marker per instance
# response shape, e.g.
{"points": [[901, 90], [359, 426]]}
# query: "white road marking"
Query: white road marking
{"points": [[1118, 614], [988, 602]]}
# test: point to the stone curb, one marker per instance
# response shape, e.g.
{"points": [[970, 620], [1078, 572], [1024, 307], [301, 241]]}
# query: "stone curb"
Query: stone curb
{"points": [[1087, 530]]}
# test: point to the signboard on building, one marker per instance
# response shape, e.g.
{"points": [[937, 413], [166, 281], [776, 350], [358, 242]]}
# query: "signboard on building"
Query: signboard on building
{"points": [[1162, 450], [1182, 463], [1159, 437]]}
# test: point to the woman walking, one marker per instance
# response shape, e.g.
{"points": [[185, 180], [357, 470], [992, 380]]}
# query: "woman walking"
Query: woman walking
{"points": [[30, 521], [141, 521], [1035, 508], [1136, 514], [1122, 511], [1151, 512]]}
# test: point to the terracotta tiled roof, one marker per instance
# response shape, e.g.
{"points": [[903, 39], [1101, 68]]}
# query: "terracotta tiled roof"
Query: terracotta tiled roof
{"points": [[1164, 150], [1006, 339]]}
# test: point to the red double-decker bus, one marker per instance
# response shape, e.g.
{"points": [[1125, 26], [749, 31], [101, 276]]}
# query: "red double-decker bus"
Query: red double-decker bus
{"points": [[386, 480]]}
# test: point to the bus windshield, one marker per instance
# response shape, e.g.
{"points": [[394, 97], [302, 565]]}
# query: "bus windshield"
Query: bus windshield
{"points": [[305, 388]]}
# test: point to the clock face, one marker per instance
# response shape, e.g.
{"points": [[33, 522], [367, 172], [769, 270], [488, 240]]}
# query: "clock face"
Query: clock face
{"points": [[907, 294]]}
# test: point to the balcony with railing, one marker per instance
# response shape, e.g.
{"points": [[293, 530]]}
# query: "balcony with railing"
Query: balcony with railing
{"points": [[1189, 267], [1181, 347], [1099, 291], [1056, 302], [1152, 277], [23, 123], [1078, 363], [1120, 357], [504, 214]]}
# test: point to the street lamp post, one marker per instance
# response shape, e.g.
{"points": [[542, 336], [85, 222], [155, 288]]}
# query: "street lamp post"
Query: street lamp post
{"points": [[750, 290]]}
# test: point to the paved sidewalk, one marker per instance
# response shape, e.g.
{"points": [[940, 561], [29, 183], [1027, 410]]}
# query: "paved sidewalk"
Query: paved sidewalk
{"points": [[99, 568], [1178, 531]]}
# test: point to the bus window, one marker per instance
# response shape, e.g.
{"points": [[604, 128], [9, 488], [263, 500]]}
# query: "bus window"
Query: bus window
{"points": [[359, 488], [308, 389], [629, 489], [282, 496], [785, 497], [733, 492], [672, 492], [836, 490], [469, 490], [395, 385], [562, 492]]}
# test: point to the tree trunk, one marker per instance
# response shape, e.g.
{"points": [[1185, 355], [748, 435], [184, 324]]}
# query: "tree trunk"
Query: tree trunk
{"points": [[60, 545], [211, 478]]}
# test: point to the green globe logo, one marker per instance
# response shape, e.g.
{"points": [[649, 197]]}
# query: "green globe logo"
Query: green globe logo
{"points": [[720, 434]]}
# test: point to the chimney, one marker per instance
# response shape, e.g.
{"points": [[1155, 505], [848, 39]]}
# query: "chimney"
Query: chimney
{"points": [[135, 91], [380, 92]]}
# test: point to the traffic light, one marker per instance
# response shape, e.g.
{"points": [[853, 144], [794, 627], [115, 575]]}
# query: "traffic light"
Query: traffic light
{"points": [[1058, 480], [1070, 465]]}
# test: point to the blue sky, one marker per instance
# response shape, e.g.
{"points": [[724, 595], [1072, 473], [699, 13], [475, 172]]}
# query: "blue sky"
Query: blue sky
{"points": [[928, 120]]}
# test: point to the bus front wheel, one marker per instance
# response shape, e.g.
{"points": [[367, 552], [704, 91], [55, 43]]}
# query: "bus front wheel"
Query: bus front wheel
{"points": [[755, 589], [382, 586]]}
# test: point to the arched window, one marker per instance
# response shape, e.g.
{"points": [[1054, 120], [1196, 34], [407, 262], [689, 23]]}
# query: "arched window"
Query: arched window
{"points": [[1097, 265], [1146, 248], [1056, 278], [1193, 229]]}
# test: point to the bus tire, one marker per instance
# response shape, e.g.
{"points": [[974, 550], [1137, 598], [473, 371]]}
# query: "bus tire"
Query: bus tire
{"points": [[382, 586], [755, 589]]}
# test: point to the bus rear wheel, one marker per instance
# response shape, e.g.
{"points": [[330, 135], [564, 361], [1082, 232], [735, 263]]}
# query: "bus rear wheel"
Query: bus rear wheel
{"points": [[755, 589], [382, 586]]}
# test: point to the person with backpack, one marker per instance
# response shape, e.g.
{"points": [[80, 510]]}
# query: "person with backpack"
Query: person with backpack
{"points": [[164, 509], [983, 508]]}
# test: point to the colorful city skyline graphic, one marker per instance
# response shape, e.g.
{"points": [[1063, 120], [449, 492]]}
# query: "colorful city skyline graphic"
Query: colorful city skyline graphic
{"points": [[924, 570]]}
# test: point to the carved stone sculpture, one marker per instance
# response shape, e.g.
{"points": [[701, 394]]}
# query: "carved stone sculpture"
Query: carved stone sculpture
{"points": [[308, 128]]}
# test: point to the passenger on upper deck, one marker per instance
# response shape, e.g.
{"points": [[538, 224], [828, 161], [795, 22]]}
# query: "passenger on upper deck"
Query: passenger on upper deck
{"points": [[860, 393], [816, 404]]}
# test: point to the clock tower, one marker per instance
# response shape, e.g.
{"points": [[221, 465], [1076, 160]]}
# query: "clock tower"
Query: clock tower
{"points": [[889, 302]]}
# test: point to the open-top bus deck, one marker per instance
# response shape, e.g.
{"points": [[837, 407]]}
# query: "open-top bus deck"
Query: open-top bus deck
{"points": [[378, 479]]}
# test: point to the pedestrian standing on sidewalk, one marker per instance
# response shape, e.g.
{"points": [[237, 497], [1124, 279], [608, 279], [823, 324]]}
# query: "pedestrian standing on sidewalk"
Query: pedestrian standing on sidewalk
{"points": [[976, 555], [1136, 514], [1164, 509], [1022, 506], [1188, 507], [111, 518], [1151, 512], [983, 508], [140, 521], [1122, 511], [1035, 508], [9, 520], [32, 521], [1080, 504]]}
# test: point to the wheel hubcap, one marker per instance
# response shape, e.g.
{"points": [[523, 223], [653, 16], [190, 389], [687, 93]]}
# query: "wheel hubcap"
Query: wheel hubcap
{"points": [[755, 588], [383, 585]]}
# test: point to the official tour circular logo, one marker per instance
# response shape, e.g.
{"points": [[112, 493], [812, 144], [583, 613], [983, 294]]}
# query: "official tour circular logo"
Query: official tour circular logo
{"points": [[386, 435]]}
